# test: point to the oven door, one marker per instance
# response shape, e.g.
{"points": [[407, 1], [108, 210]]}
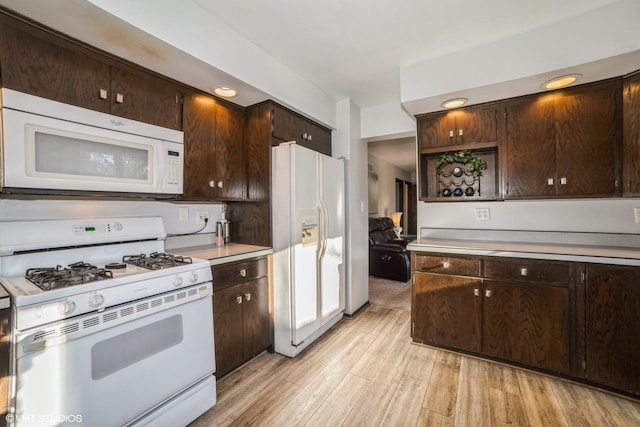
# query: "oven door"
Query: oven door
{"points": [[85, 369]]}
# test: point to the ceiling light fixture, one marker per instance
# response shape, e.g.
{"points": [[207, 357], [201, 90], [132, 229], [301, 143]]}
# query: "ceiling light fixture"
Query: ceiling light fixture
{"points": [[225, 91], [454, 103], [562, 81]]}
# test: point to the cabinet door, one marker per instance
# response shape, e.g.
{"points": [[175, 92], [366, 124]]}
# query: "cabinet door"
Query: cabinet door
{"points": [[199, 146], [477, 124], [288, 126], [530, 148], [587, 140], [527, 323], [612, 327], [145, 98], [255, 318], [227, 328], [39, 67], [446, 310], [229, 158], [631, 138], [437, 130]]}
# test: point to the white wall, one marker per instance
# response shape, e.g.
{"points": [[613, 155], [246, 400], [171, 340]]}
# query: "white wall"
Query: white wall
{"points": [[595, 215], [348, 144], [387, 174]]}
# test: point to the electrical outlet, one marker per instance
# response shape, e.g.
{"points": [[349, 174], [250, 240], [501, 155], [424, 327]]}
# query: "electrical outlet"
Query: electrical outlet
{"points": [[482, 214], [201, 217]]}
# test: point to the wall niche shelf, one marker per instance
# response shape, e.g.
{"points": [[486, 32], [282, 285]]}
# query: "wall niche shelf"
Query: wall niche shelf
{"points": [[453, 182]]}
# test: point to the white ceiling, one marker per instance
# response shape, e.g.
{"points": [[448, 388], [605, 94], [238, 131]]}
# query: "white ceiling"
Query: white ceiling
{"points": [[356, 49]]}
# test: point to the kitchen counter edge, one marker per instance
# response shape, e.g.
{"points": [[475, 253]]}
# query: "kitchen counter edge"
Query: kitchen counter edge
{"points": [[217, 255], [576, 253]]}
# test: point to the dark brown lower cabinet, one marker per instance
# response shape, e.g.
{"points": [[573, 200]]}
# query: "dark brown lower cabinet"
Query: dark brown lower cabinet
{"points": [[574, 319], [241, 319], [446, 310], [527, 323], [613, 326]]}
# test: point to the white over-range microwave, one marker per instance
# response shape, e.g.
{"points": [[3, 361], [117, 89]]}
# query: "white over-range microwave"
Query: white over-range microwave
{"points": [[48, 145]]}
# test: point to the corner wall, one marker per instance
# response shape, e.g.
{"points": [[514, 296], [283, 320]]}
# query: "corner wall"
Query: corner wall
{"points": [[387, 174]]}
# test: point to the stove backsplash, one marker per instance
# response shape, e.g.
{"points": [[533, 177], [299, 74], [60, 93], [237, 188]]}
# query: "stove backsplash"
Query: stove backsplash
{"points": [[172, 213]]}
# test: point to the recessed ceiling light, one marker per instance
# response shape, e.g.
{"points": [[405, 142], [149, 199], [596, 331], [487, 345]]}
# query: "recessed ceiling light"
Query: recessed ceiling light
{"points": [[561, 81], [225, 91], [454, 103]]}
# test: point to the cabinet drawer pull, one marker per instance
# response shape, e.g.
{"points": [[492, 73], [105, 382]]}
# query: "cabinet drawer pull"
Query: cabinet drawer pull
{"points": [[103, 94], [524, 271], [450, 134], [460, 132], [238, 299], [247, 296], [119, 98], [446, 264], [563, 181], [476, 292], [549, 181], [243, 273], [488, 293]]}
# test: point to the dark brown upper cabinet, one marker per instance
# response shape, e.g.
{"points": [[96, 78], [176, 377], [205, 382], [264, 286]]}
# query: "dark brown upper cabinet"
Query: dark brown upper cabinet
{"points": [[214, 166], [41, 64], [631, 135], [287, 125], [565, 143], [461, 126]]}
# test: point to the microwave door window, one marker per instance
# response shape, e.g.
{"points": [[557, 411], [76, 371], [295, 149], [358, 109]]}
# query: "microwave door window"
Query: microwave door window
{"points": [[57, 155]]}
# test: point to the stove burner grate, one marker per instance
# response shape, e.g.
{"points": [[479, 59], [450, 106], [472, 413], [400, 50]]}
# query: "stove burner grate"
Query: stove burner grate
{"points": [[47, 278], [156, 260]]}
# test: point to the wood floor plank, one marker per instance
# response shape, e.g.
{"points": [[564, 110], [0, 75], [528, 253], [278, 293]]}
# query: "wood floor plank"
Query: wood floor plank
{"points": [[372, 404], [275, 398], [433, 419], [337, 406], [405, 405], [619, 411], [421, 362], [507, 409], [578, 404], [326, 379], [472, 403], [539, 401], [504, 378], [442, 391]]}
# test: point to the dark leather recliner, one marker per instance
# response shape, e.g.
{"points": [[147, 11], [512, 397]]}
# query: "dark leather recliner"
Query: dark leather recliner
{"points": [[388, 255]]}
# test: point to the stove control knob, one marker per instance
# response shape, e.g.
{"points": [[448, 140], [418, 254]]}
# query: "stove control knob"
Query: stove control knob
{"points": [[177, 281], [193, 277], [96, 300], [66, 307]]}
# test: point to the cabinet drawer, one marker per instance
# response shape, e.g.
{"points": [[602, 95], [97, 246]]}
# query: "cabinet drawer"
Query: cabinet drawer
{"points": [[447, 265], [527, 269], [230, 274]]}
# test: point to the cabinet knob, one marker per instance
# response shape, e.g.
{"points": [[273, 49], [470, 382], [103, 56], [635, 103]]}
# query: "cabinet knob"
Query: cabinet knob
{"points": [[238, 299], [212, 184], [524, 271], [460, 132], [119, 98], [446, 264], [476, 292], [549, 181], [563, 181], [243, 273], [450, 134], [310, 137], [219, 184], [247, 296], [103, 94], [488, 293]]}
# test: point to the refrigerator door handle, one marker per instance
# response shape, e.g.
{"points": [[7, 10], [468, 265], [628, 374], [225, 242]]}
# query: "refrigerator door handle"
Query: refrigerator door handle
{"points": [[323, 232]]}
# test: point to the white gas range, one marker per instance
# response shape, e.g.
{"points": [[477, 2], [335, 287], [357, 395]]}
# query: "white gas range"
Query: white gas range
{"points": [[102, 319]]}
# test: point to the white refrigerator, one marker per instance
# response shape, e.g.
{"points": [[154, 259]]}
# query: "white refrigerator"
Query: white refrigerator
{"points": [[308, 208]]}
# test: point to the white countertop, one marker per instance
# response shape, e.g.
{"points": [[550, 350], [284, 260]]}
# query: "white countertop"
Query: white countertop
{"points": [[554, 251], [223, 254]]}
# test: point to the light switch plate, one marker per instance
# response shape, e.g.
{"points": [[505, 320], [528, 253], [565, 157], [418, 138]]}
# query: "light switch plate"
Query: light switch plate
{"points": [[184, 214], [482, 214], [636, 214]]}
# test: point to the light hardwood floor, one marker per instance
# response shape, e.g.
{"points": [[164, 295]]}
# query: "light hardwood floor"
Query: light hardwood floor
{"points": [[366, 372]]}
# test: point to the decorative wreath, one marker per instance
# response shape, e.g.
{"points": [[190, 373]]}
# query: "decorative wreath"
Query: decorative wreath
{"points": [[476, 163]]}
